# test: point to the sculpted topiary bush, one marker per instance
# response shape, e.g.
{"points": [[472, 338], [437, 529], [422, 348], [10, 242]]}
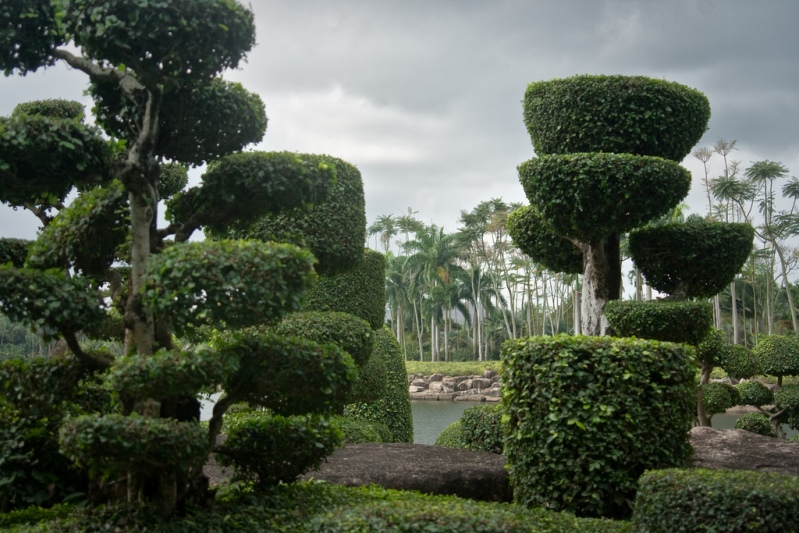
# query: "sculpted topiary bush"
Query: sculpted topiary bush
{"points": [[669, 321], [588, 415], [481, 428], [777, 355], [755, 423]]}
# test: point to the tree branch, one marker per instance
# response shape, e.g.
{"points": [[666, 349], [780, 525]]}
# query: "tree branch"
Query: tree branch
{"points": [[90, 360], [126, 82]]}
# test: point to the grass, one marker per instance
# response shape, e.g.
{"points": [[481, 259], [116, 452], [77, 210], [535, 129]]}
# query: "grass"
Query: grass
{"points": [[459, 368]]}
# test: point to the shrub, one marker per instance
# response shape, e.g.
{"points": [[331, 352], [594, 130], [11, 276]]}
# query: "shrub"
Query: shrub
{"points": [[718, 397], [451, 436], [644, 116], [756, 423], [588, 415], [268, 449], [777, 355], [533, 236], [662, 320], [348, 332], [360, 431], [694, 500], [481, 428], [755, 393], [739, 362], [394, 408], [360, 291]]}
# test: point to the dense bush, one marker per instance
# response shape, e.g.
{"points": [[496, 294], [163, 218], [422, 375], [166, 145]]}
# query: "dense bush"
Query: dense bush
{"points": [[777, 355], [54, 107], [334, 229], [739, 362], [394, 408], [348, 332], [662, 320], [755, 393], [588, 415], [702, 500], [718, 397], [360, 291], [756, 423], [696, 259], [531, 233], [359, 431], [481, 428], [13, 251], [451, 436], [622, 114], [268, 449]]}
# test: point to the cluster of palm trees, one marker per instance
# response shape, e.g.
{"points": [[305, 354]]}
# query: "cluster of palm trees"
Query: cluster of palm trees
{"points": [[458, 296]]}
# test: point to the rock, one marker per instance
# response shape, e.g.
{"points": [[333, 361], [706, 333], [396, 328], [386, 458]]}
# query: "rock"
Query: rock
{"points": [[441, 386], [465, 385], [421, 383], [454, 379], [414, 389], [736, 449], [436, 377], [481, 383], [429, 469], [488, 374], [470, 398]]}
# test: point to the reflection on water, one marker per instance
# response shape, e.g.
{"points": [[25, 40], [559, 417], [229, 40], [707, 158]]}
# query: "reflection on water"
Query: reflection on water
{"points": [[431, 417]]}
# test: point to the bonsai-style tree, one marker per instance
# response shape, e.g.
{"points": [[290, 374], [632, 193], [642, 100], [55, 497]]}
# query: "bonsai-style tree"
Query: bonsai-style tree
{"points": [[608, 151], [153, 71]]}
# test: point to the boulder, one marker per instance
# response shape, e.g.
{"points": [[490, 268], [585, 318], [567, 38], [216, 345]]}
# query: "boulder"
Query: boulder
{"points": [[441, 386], [419, 383], [481, 383], [465, 385], [429, 469], [736, 449], [436, 377], [488, 374]]}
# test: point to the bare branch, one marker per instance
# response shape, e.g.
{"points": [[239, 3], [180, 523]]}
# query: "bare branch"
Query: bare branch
{"points": [[126, 82]]}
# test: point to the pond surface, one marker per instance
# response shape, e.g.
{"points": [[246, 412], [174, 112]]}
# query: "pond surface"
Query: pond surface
{"points": [[431, 417]]}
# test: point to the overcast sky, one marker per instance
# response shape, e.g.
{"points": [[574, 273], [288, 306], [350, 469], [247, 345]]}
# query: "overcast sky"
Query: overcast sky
{"points": [[424, 96]]}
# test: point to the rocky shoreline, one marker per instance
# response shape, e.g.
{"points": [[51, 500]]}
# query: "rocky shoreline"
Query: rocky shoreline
{"points": [[438, 387]]}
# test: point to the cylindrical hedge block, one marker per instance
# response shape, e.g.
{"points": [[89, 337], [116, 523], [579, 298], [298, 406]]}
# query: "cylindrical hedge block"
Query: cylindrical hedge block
{"points": [[661, 320], [620, 114], [682, 500], [588, 415]]}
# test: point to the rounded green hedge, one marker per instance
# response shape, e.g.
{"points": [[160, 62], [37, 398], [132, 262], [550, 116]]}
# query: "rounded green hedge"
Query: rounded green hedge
{"points": [[360, 291], [755, 393], [348, 332], [718, 397], [334, 229], [588, 415], [53, 107], [481, 428], [589, 195], [698, 499], [620, 114], [394, 408], [536, 238], [739, 362], [662, 320], [451, 436], [777, 355], [696, 259], [755, 423]]}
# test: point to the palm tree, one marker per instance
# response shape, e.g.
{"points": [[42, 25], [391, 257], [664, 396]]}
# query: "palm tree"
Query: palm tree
{"points": [[385, 227]]}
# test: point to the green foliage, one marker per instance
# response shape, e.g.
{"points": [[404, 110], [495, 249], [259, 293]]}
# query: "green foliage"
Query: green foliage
{"points": [[49, 300], [86, 235], [452, 368], [28, 35], [111, 328], [698, 499], [348, 332], [452, 436], [215, 37], [394, 408], [334, 229], [199, 121], [754, 393], [787, 398], [54, 108], [14, 251], [756, 423], [172, 179], [34, 514], [240, 188], [696, 259], [777, 355], [481, 428], [167, 373], [41, 158], [712, 349], [372, 380], [269, 449], [590, 195], [278, 372], [718, 397], [739, 362], [360, 291], [620, 114], [232, 283], [588, 415], [535, 237], [105, 444], [360, 431], [662, 320]]}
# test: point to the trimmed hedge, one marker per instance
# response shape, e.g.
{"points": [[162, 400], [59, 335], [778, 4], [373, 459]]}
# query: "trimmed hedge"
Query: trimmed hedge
{"points": [[755, 393], [739, 362], [360, 291], [718, 397], [451, 436], [696, 259], [621, 114], [697, 500], [394, 408], [334, 229], [777, 355], [662, 320], [361, 431], [348, 332], [588, 415], [52, 107], [533, 236], [481, 428], [756, 423], [589, 195]]}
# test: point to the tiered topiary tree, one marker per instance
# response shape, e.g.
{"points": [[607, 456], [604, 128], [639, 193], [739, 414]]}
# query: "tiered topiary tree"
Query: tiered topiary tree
{"points": [[153, 70], [608, 151]]}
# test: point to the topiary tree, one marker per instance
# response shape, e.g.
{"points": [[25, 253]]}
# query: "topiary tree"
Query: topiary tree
{"points": [[608, 148], [777, 355], [165, 102]]}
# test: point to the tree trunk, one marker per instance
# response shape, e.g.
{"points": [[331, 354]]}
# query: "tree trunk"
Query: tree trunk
{"points": [[601, 283], [734, 312]]}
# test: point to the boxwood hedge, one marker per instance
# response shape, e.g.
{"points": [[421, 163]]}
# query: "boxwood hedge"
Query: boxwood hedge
{"points": [[588, 415], [670, 321]]}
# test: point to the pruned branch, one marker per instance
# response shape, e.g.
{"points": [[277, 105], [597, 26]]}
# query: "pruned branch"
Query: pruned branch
{"points": [[96, 361], [126, 82]]}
